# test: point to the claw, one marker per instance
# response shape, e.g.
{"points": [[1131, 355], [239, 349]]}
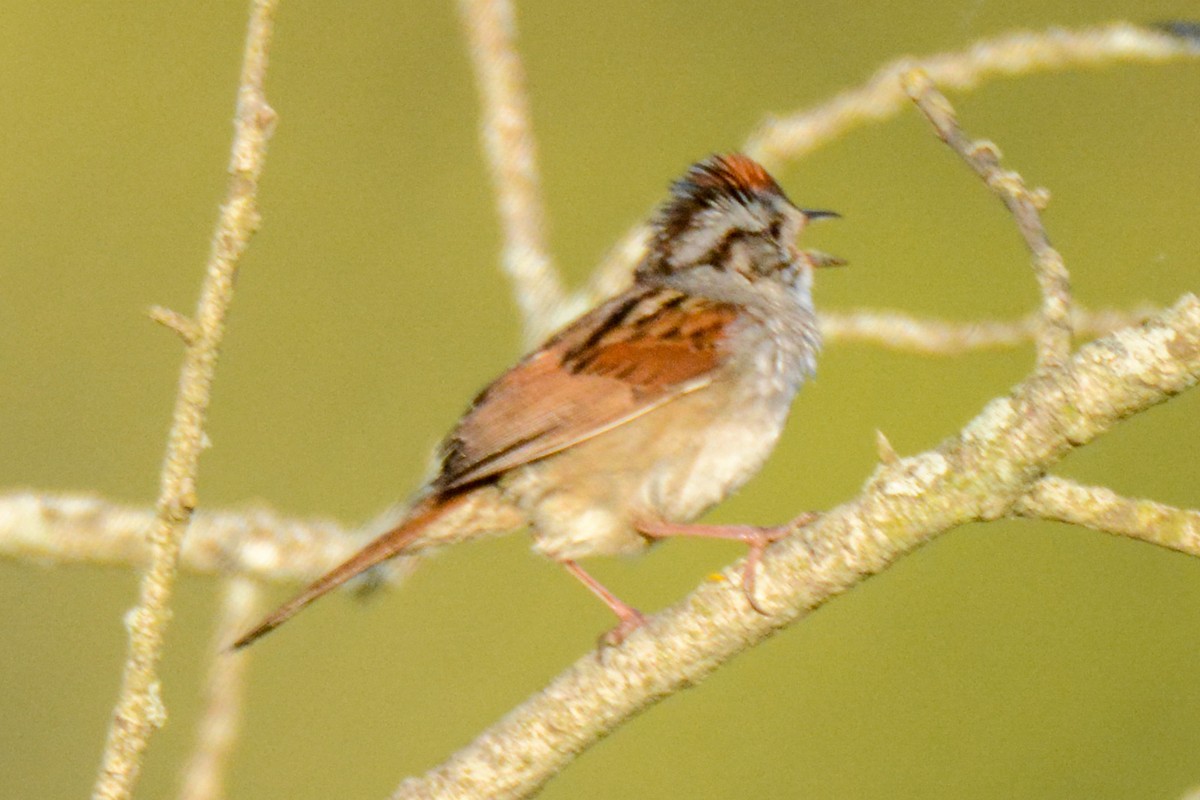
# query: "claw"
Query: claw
{"points": [[758, 541], [631, 620]]}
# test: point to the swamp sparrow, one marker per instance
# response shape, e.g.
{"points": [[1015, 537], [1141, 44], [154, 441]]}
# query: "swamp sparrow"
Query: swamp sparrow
{"points": [[647, 410]]}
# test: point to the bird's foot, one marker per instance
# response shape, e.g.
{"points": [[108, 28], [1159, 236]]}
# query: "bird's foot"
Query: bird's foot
{"points": [[630, 619], [757, 538]]}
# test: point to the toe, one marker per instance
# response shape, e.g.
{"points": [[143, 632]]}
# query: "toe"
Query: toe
{"points": [[629, 623]]}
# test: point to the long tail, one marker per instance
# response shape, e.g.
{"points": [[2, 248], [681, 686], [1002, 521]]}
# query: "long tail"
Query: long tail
{"points": [[380, 549]]}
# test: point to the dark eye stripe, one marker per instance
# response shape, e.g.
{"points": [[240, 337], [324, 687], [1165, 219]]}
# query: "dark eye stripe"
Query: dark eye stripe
{"points": [[720, 254]]}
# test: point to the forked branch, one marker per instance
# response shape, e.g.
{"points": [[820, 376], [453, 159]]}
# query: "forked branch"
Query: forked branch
{"points": [[782, 140]]}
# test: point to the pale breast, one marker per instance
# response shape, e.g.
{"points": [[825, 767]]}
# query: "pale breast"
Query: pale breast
{"points": [[673, 463]]}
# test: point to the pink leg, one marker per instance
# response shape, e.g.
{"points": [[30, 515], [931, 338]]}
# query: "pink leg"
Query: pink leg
{"points": [[757, 538], [630, 618]]}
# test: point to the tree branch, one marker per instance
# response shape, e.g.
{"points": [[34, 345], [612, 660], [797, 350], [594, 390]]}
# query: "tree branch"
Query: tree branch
{"points": [[1054, 323], [509, 145], [978, 474], [781, 140], [1011, 55], [256, 543], [1102, 509], [139, 709], [896, 330]]}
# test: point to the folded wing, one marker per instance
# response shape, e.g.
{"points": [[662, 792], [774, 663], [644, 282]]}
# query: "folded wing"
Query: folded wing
{"points": [[627, 357]]}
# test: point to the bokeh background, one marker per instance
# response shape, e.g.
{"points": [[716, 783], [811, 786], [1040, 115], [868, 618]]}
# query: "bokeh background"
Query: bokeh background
{"points": [[1007, 660]]}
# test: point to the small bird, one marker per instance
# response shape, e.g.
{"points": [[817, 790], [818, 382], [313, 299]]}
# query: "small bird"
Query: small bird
{"points": [[644, 412]]}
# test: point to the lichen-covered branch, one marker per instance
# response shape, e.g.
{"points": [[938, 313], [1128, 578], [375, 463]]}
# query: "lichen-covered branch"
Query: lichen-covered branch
{"points": [[1054, 325], [204, 777], [1102, 509], [139, 709], [979, 474], [780, 140], [512, 158]]}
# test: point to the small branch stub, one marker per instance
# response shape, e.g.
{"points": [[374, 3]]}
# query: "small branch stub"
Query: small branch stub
{"points": [[883, 447], [187, 329]]}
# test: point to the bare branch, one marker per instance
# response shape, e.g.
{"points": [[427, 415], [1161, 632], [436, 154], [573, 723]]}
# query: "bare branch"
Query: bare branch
{"points": [[981, 473], [896, 330], [139, 709], [204, 777], [509, 145], [256, 543], [1011, 55], [780, 140], [1054, 325], [1102, 509]]}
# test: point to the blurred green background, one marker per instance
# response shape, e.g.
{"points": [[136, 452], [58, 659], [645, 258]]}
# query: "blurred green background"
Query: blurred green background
{"points": [[1007, 660]]}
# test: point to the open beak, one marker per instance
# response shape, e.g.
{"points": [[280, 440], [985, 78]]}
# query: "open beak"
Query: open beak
{"points": [[818, 259]]}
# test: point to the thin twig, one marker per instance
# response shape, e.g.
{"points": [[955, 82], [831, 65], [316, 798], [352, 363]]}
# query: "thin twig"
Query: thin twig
{"points": [[980, 473], [781, 140], [1102, 509], [1054, 325], [509, 145], [204, 777], [896, 330], [139, 709]]}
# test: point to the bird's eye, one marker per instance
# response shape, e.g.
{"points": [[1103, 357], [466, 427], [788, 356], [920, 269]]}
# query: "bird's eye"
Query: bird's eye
{"points": [[775, 229]]}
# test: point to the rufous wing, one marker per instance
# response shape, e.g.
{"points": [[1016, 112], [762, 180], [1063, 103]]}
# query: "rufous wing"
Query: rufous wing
{"points": [[629, 356]]}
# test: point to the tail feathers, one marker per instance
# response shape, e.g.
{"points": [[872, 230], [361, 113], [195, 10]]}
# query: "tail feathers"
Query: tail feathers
{"points": [[380, 549]]}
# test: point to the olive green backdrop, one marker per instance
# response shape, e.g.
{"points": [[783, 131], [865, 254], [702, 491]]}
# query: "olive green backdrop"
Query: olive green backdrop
{"points": [[1008, 660]]}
